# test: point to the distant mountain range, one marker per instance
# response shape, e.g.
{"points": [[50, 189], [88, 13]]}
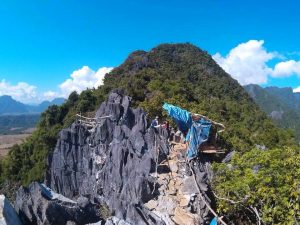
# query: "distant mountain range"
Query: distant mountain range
{"points": [[281, 104], [9, 106], [17, 117]]}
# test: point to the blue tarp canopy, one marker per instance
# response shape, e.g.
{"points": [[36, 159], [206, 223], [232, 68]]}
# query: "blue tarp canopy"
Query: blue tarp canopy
{"points": [[181, 117], [197, 131]]}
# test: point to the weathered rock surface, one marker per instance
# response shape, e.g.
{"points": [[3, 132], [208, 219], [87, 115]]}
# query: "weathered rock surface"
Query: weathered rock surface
{"points": [[39, 205], [8, 215], [116, 221], [114, 160]]}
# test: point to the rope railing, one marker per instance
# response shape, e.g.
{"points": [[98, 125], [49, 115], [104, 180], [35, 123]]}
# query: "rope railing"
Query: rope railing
{"points": [[90, 121], [204, 200]]}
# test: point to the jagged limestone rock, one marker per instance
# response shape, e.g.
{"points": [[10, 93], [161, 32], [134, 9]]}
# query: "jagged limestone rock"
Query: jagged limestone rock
{"points": [[114, 160], [39, 205]]}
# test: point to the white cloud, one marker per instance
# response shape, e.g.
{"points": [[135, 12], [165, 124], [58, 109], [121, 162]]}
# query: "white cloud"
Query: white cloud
{"points": [[296, 89], [82, 79], [22, 91], [50, 95], [247, 62], [286, 69], [79, 80]]}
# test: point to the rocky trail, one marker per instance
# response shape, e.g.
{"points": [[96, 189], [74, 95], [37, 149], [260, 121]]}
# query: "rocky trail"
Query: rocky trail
{"points": [[177, 190]]}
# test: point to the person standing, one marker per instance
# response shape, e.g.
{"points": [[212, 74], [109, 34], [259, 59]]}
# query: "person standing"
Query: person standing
{"points": [[154, 122], [166, 126]]}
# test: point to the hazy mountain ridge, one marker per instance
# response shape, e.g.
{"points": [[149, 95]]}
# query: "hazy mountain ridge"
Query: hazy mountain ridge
{"points": [[16, 117], [9, 106], [281, 104]]}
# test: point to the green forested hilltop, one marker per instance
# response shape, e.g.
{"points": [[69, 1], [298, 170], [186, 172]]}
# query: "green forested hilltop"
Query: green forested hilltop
{"points": [[187, 76], [181, 74], [176, 73]]}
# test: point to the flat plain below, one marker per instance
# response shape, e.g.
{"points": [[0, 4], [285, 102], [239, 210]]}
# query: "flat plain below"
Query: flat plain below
{"points": [[7, 141]]}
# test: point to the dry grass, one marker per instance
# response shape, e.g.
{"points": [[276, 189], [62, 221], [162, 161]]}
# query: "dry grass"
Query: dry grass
{"points": [[7, 141]]}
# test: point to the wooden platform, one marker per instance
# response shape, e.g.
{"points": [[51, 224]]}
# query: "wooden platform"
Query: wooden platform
{"points": [[206, 149], [211, 149]]}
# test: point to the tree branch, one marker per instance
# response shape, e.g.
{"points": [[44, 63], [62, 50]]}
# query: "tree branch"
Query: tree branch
{"points": [[254, 209], [229, 200]]}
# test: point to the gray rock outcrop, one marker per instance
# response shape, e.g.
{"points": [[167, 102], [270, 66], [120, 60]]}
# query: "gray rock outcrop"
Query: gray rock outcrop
{"points": [[112, 161], [37, 204]]}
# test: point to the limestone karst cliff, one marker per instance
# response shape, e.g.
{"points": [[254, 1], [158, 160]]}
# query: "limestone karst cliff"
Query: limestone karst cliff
{"points": [[114, 166]]}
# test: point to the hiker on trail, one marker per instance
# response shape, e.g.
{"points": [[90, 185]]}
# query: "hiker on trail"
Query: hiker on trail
{"points": [[155, 123], [166, 126], [172, 134], [178, 136]]}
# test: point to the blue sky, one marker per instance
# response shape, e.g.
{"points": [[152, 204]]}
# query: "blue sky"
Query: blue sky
{"points": [[43, 43]]}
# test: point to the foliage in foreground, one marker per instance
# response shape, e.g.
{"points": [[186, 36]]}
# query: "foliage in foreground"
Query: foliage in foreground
{"points": [[267, 181]]}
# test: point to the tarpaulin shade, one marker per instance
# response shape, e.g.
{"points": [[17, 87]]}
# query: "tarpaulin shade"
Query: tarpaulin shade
{"points": [[181, 117], [197, 131]]}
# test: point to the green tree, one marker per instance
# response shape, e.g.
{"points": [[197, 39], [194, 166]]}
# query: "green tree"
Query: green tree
{"points": [[267, 181]]}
